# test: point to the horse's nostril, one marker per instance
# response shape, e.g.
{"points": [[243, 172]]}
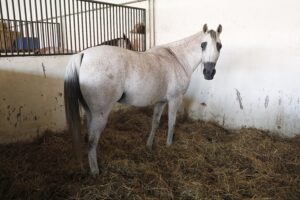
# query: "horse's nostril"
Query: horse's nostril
{"points": [[204, 71], [213, 72]]}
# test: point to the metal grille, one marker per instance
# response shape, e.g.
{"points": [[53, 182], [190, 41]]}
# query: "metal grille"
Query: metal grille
{"points": [[59, 27]]}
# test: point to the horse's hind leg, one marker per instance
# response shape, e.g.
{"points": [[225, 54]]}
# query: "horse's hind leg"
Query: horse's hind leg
{"points": [[97, 124], [158, 109], [173, 107]]}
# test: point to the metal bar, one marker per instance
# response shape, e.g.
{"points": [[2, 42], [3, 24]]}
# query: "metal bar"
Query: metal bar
{"points": [[112, 4], [15, 26], [70, 23], [26, 27], [90, 24], [59, 37], [101, 20], [9, 29], [139, 34], [120, 24], [131, 2], [86, 29], [66, 28], [1, 42], [61, 28], [47, 26], [4, 34], [113, 23], [133, 30], [57, 27], [21, 26], [94, 32], [78, 32], [106, 27], [131, 25], [123, 23], [144, 30], [97, 22], [52, 27], [117, 21], [32, 27], [15, 55], [145, 35], [127, 21], [82, 26], [134, 27], [74, 31]]}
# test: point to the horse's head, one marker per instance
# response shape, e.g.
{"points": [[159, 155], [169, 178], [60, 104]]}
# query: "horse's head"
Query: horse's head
{"points": [[211, 46]]}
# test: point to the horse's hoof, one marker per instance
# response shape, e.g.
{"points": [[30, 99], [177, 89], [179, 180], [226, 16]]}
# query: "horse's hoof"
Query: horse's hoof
{"points": [[168, 144], [149, 147], [149, 144], [94, 176], [95, 173]]}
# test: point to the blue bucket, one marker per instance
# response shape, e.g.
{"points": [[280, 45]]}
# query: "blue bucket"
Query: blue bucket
{"points": [[23, 44]]}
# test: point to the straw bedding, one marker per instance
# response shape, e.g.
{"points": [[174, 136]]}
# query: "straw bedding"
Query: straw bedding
{"points": [[204, 162]]}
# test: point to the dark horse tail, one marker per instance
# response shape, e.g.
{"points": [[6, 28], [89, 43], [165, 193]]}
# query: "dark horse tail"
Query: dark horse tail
{"points": [[72, 97]]}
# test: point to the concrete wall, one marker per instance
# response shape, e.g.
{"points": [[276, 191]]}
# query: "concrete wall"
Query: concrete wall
{"points": [[257, 80], [31, 96]]}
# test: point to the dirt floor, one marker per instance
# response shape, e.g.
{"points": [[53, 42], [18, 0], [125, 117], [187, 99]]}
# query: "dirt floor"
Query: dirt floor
{"points": [[204, 162]]}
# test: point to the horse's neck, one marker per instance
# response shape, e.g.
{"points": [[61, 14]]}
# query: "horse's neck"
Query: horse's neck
{"points": [[188, 51]]}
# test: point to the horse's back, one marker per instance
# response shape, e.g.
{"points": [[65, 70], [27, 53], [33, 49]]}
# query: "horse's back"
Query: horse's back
{"points": [[138, 78]]}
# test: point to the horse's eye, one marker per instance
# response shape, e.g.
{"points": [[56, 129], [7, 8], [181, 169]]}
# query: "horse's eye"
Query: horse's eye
{"points": [[203, 45], [219, 46]]}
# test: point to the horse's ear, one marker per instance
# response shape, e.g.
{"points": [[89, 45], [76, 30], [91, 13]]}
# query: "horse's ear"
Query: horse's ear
{"points": [[219, 29], [124, 36], [204, 28]]}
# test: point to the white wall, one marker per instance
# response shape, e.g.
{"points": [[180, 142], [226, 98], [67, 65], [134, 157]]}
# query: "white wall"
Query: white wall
{"points": [[31, 96], [260, 60]]}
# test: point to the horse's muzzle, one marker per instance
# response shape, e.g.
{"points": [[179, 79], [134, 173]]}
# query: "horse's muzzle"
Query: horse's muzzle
{"points": [[209, 70]]}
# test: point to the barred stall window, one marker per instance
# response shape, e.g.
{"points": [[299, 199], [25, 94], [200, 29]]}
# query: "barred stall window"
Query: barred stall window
{"points": [[60, 27]]}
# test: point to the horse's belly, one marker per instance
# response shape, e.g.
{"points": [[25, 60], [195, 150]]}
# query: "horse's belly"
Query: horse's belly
{"points": [[143, 96]]}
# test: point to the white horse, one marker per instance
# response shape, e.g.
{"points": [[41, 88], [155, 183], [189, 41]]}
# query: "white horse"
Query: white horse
{"points": [[99, 77]]}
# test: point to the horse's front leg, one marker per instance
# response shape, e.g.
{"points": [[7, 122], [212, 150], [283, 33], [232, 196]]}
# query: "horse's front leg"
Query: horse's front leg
{"points": [[158, 109], [173, 107]]}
